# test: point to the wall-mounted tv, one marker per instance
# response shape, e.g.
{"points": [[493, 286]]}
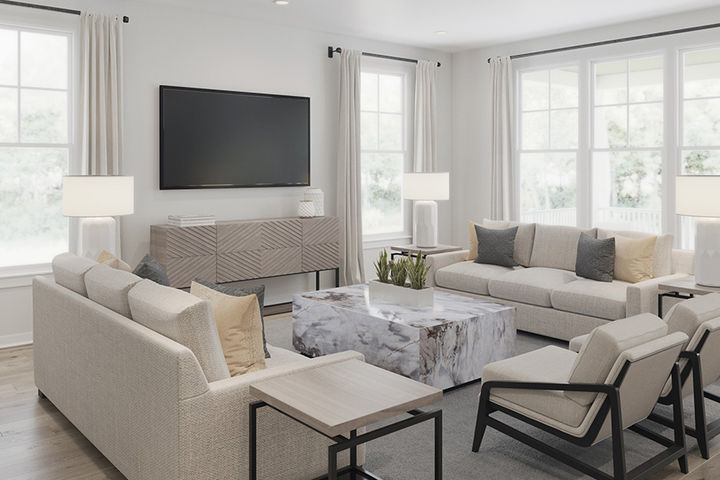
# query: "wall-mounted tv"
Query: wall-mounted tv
{"points": [[224, 139]]}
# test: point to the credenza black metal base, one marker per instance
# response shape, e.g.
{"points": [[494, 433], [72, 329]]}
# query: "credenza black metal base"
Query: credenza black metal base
{"points": [[342, 443]]}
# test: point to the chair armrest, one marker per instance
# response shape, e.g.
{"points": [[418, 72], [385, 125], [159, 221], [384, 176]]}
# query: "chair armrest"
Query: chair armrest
{"points": [[565, 387], [642, 296], [577, 343], [440, 260]]}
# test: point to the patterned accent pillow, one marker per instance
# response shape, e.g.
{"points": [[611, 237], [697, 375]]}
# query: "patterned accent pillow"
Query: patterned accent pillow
{"points": [[496, 247], [152, 270], [595, 258]]}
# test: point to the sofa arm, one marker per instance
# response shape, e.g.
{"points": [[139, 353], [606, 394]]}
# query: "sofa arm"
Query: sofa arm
{"points": [[214, 431], [642, 296], [440, 260]]}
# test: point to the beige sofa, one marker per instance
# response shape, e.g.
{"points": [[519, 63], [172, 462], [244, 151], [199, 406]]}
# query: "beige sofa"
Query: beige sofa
{"points": [[550, 298], [143, 399]]}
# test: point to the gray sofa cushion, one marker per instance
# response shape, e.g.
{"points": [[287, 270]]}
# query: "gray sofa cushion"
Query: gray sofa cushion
{"points": [[496, 247], [595, 258], [530, 285], [662, 255], [152, 270], [109, 287], [555, 246], [523, 240], [589, 297], [469, 276], [69, 271], [181, 317]]}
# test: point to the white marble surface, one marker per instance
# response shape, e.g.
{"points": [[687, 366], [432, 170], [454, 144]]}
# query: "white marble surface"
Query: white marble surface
{"points": [[443, 346]]}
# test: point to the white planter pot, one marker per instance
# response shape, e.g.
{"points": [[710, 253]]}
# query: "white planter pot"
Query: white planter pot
{"points": [[389, 293]]}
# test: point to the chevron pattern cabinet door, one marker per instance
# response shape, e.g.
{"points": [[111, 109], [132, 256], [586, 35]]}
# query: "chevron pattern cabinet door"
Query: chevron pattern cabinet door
{"points": [[281, 233], [321, 257], [241, 265], [183, 270], [320, 230], [281, 261], [239, 236], [191, 241]]}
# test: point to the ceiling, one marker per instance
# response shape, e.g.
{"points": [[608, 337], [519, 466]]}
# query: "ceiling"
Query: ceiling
{"points": [[468, 23]]}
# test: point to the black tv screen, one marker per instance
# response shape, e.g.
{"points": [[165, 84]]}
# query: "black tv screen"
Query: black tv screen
{"points": [[223, 139]]}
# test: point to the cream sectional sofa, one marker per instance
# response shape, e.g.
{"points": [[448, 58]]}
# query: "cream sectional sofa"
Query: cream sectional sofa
{"points": [[551, 299], [143, 399]]}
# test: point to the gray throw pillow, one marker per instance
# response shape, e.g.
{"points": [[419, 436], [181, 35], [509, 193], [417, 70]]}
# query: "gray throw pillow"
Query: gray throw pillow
{"points": [[152, 270], [234, 291], [496, 247], [595, 258]]}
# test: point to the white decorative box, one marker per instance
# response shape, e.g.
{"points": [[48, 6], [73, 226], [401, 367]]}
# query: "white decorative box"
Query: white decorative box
{"points": [[387, 292]]}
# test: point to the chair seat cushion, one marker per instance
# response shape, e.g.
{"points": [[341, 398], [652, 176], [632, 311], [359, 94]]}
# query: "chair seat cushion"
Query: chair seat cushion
{"points": [[550, 364], [530, 285], [469, 276], [590, 297]]}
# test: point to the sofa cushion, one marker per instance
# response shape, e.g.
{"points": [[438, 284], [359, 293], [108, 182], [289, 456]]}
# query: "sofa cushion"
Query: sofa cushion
{"points": [[469, 276], [634, 258], [496, 247], [595, 258], [109, 287], [152, 270], [549, 364], [555, 246], [523, 239], [605, 344], [688, 315], [69, 271], [593, 298], [181, 317], [530, 285], [662, 257]]}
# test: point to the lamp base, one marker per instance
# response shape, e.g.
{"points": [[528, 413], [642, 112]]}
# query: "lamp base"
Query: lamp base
{"points": [[707, 254], [96, 234], [425, 234]]}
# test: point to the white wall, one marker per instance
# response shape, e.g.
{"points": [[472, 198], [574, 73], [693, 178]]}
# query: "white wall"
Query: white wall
{"points": [[471, 164], [174, 46]]}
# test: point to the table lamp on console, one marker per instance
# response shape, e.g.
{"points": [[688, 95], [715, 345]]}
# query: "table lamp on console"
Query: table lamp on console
{"points": [[697, 196], [425, 189], [96, 199]]}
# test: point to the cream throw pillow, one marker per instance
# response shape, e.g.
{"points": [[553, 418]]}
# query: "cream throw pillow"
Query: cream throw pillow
{"points": [[112, 261], [239, 326], [634, 258]]}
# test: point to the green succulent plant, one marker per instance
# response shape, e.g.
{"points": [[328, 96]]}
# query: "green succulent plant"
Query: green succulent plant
{"points": [[382, 267], [399, 271], [417, 272]]}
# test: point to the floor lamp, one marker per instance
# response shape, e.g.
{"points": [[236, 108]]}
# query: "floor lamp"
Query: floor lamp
{"points": [[96, 199], [697, 196], [425, 189]]}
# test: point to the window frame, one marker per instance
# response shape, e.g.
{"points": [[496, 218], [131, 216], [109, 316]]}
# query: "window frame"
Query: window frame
{"points": [[405, 70]]}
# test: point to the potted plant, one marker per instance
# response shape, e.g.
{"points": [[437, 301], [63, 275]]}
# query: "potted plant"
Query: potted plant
{"points": [[392, 283]]}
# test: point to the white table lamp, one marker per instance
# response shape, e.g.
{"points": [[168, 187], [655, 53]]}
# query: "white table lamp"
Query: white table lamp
{"points": [[425, 189], [96, 199], [698, 196]]}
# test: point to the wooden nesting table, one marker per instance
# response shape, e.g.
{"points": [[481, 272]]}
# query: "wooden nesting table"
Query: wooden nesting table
{"points": [[343, 397]]}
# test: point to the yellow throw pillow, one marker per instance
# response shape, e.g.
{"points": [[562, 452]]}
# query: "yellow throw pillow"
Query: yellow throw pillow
{"points": [[472, 234], [112, 261], [634, 258], [239, 326]]}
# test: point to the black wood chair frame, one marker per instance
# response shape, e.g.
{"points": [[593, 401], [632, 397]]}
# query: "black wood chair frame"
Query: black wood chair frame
{"points": [[675, 448]]}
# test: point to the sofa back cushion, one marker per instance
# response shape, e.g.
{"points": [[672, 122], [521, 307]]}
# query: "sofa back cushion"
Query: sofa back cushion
{"points": [[181, 317], [688, 315], [662, 255], [605, 344], [109, 287], [69, 271], [523, 239], [555, 246]]}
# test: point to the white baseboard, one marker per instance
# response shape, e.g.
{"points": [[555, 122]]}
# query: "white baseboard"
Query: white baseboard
{"points": [[15, 340]]}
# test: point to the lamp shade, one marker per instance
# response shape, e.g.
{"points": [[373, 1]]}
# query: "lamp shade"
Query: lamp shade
{"points": [[697, 195], [426, 186], [98, 196]]}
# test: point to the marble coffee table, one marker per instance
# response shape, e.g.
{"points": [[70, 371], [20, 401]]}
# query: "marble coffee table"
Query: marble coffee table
{"points": [[443, 346]]}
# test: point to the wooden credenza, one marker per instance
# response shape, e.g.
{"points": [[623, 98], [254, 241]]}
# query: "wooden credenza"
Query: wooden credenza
{"points": [[247, 249]]}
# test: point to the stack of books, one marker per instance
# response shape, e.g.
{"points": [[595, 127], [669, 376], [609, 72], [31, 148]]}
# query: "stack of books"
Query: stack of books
{"points": [[190, 220]]}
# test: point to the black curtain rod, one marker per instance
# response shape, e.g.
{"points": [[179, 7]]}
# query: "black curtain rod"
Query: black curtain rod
{"points": [[49, 8], [616, 40], [332, 51]]}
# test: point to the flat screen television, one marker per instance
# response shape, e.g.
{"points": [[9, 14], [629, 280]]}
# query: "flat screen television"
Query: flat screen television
{"points": [[224, 139]]}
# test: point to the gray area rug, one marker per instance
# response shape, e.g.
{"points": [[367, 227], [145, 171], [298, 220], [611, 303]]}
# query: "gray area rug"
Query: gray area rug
{"points": [[408, 454]]}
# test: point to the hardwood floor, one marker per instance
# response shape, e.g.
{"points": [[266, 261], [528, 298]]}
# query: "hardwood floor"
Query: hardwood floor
{"points": [[38, 442]]}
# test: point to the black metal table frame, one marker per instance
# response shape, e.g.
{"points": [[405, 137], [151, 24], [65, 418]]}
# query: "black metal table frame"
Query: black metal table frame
{"points": [[674, 294], [344, 443]]}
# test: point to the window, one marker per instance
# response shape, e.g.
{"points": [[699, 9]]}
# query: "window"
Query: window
{"points": [[548, 145], [384, 151], [35, 143], [627, 144], [700, 122]]}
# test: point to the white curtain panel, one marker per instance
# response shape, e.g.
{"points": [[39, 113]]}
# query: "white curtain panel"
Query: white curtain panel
{"points": [[425, 130], [101, 73], [349, 198], [502, 196]]}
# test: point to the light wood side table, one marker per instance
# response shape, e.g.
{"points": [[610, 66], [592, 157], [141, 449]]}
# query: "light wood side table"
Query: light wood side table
{"points": [[343, 397], [683, 287]]}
